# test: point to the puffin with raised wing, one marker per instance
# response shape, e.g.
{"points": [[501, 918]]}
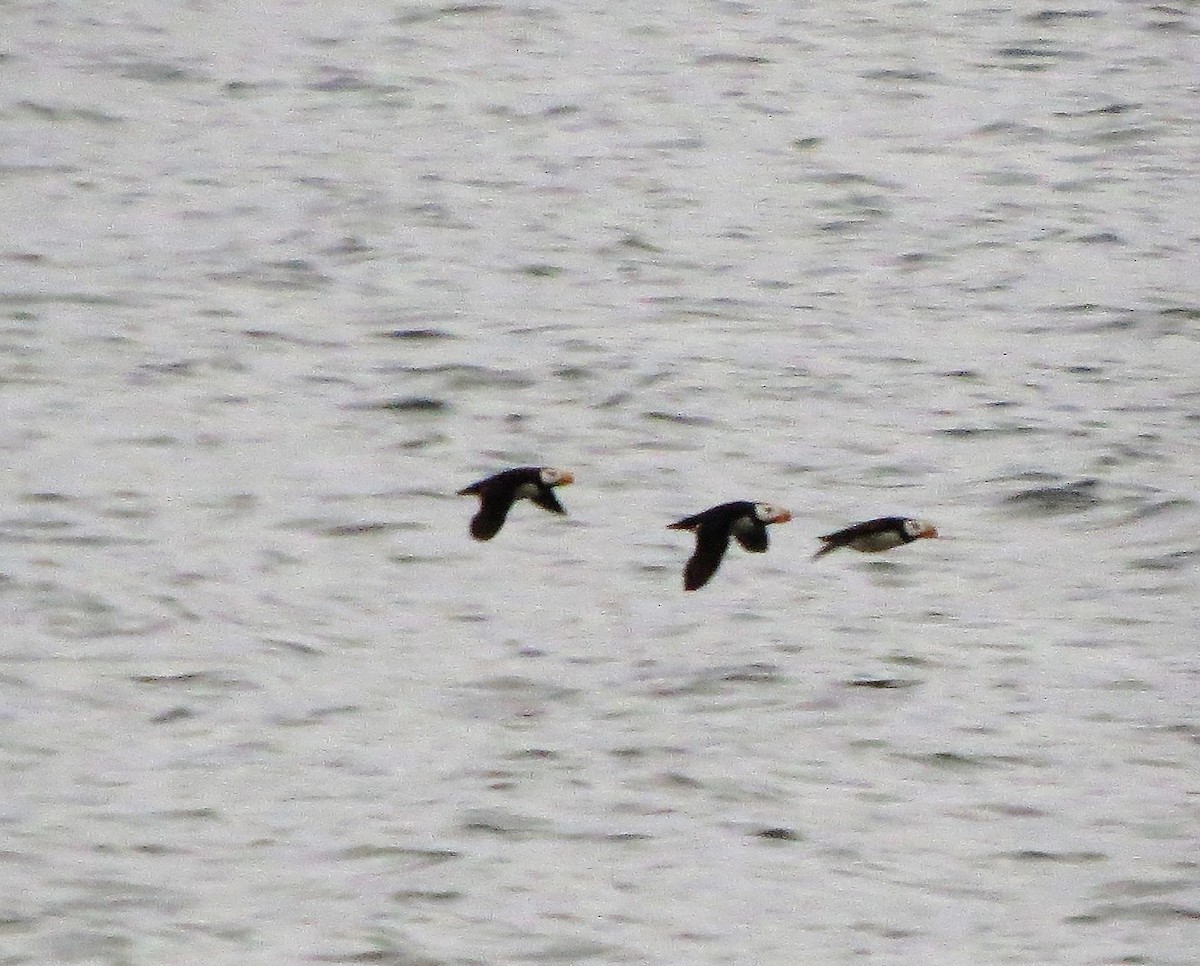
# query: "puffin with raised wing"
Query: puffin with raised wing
{"points": [[498, 493], [743, 520]]}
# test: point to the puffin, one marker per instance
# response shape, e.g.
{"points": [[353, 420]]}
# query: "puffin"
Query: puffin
{"points": [[499, 492], [744, 520], [874, 536]]}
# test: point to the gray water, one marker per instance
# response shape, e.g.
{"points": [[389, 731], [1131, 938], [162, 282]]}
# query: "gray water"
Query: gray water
{"points": [[277, 279]]}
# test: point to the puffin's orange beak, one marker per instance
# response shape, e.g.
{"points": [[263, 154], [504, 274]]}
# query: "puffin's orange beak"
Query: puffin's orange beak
{"points": [[929, 532], [783, 517], [568, 478]]}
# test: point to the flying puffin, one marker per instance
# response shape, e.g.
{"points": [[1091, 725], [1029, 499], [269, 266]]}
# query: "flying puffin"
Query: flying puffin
{"points": [[877, 535], [498, 493], [746, 521]]}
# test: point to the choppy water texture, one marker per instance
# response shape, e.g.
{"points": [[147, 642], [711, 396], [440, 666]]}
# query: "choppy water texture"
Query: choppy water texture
{"points": [[277, 279]]}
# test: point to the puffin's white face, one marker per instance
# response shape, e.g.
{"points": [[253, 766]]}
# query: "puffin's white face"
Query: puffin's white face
{"points": [[919, 528], [769, 513], [553, 477]]}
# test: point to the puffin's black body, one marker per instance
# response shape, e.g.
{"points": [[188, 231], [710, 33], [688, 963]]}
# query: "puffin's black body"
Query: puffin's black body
{"points": [[875, 536], [745, 521], [498, 493]]}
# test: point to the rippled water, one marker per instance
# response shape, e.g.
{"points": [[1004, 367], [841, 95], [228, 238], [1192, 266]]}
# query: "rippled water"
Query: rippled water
{"points": [[276, 282]]}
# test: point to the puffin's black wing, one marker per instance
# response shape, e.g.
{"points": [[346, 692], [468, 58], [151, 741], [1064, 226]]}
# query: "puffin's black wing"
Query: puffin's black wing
{"points": [[711, 543], [496, 495], [712, 528], [751, 534], [494, 504], [545, 498]]}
